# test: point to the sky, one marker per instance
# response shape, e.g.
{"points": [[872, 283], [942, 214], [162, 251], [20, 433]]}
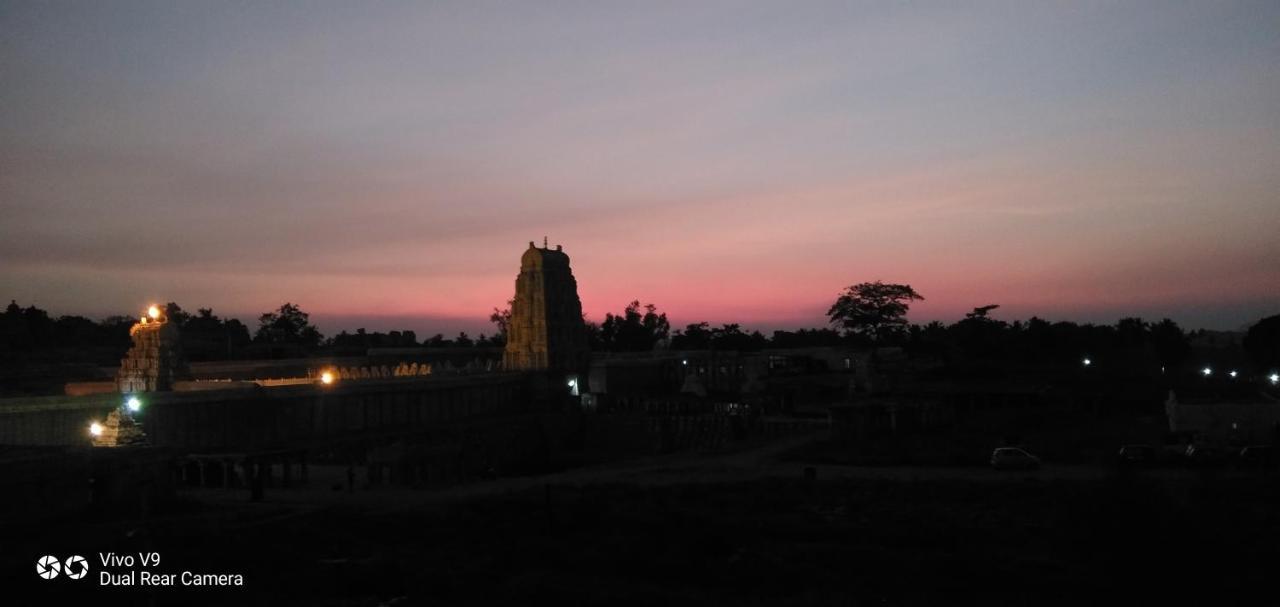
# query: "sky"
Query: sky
{"points": [[384, 165]]}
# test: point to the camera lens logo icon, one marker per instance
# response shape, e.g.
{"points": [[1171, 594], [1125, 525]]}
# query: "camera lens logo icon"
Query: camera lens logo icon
{"points": [[48, 567], [77, 567]]}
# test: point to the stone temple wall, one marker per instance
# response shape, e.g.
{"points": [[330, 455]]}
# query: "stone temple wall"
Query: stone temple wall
{"points": [[546, 329], [155, 361]]}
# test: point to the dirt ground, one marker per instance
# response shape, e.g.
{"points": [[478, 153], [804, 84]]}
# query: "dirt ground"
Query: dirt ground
{"points": [[730, 528]]}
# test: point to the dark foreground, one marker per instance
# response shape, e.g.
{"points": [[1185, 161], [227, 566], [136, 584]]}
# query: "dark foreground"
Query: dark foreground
{"points": [[1208, 537]]}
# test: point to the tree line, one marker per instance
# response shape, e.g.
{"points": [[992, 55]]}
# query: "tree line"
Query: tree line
{"points": [[870, 314], [33, 333]]}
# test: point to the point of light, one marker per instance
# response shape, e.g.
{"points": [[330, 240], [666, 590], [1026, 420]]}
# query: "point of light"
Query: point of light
{"points": [[154, 312], [133, 404], [326, 377], [573, 382], [1207, 371], [1087, 362], [684, 362], [1275, 378], [1233, 374], [95, 429]]}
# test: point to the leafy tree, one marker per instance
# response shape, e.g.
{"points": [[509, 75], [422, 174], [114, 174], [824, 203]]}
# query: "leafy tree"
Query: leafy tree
{"points": [[1169, 342], [873, 310], [732, 337], [696, 336], [1262, 342], [174, 313], [806, 338], [980, 314], [633, 331], [595, 337], [1131, 332], [207, 337], [287, 325], [502, 320], [362, 340]]}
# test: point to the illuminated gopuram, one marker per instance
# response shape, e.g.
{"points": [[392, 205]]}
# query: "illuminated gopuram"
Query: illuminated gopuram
{"points": [[155, 361], [546, 329]]}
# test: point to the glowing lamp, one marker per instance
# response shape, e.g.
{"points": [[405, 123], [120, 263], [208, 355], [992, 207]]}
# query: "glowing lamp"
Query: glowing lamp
{"points": [[1207, 371], [1233, 374], [326, 378], [573, 382], [1275, 378], [154, 312], [95, 429], [133, 404], [1087, 362]]}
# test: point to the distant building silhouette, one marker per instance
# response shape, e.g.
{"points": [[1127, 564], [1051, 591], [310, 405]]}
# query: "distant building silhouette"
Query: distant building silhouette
{"points": [[546, 329]]}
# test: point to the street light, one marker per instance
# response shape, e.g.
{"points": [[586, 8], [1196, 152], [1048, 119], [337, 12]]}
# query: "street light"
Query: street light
{"points": [[1233, 374], [95, 429], [326, 378], [133, 404], [154, 312], [1207, 371], [1275, 378], [1087, 362]]}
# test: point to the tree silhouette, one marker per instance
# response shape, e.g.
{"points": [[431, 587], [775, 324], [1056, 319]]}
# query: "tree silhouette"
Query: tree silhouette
{"points": [[502, 320], [1262, 342], [287, 325], [695, 336], [175, 314], [981, 313], [873, 310], [633, 331]]}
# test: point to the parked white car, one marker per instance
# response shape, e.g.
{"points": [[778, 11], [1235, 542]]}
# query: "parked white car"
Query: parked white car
{"points": [[1013, 458]]}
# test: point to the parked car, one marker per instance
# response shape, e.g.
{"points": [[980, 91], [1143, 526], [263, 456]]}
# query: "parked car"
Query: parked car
{"points": [[1260, 457], [1202, 455], [1137, 455], [1013, 458]]}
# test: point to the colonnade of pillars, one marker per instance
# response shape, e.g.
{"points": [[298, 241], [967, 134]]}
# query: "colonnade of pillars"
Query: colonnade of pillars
{"points": [[257, 473]]}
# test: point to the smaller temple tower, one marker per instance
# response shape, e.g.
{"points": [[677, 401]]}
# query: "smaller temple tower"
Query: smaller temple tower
{"points": [[546, 329], [155, 361]]}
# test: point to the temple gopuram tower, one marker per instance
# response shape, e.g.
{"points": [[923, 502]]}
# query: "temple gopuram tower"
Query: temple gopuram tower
{"points": [[546, 329], [155, 361]]}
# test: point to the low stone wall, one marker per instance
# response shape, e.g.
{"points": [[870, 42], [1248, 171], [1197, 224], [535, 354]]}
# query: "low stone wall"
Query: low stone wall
{"points": [[53, 420], [258, 417], [87, 388]]}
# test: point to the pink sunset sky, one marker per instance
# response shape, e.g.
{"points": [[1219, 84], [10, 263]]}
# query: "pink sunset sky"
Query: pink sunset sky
{"points": [[385, 165]]}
